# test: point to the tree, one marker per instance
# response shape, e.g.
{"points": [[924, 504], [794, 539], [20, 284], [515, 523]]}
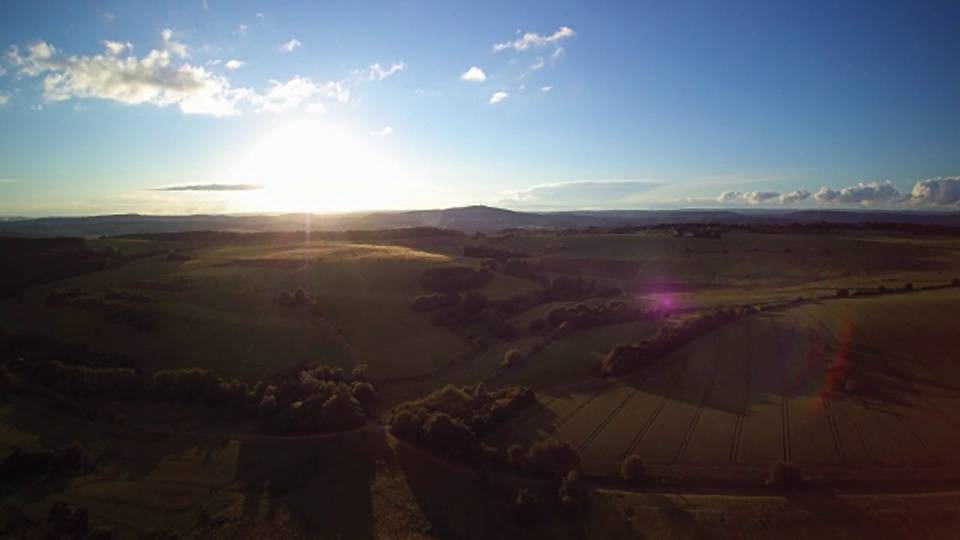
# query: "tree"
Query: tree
{"points": [[632, 468], [785, 474], [300, 296], [511, 359], [525, 508], [286, 299]]}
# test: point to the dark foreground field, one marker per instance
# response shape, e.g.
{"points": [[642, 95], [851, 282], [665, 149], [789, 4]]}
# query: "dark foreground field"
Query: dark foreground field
{"points": [[831, 349]]}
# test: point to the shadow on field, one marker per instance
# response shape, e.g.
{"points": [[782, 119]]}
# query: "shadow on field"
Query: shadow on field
{"points": [[323, 485], [462, 503], [838, 515]]}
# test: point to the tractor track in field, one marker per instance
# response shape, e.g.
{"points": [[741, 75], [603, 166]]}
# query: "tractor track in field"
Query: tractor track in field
{"points": [[688, 435], [600, 427], [885, 407], [928, 341], [824, 399], [738, 427], [892, 331], [656, 411]]}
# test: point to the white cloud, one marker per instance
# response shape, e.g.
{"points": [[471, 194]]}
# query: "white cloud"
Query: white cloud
{"points": [[937, 192], [259, 15], [532, 39], [109, 16], [297, 91], [377, 73], [175, 47], [863, 193], [116, 47], [234, 64], [290, 45], [759, 197], [383, 132], [474, 74], [728, 196], [557, 53], [4, 99], [539, 63], [546, 88], [242, 30], [152, 79], [498, 97], [794, 196]]}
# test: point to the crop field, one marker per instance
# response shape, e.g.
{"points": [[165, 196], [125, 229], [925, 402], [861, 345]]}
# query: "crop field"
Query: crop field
{"points": [[760, 389]]}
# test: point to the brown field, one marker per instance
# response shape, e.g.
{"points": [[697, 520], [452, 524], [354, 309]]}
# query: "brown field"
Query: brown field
{"points": [[758, 390]]}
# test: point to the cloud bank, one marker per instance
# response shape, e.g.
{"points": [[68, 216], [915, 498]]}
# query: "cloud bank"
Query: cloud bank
{"points": [[930, 193]]}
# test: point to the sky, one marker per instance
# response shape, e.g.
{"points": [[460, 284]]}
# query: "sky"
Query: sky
{"points": [[216, 106]]}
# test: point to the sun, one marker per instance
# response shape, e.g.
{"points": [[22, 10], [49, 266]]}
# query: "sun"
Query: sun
{"points": [[309, 165]]}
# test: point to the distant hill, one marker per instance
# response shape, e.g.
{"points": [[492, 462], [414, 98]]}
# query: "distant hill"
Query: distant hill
{"points": [[468, 219]]}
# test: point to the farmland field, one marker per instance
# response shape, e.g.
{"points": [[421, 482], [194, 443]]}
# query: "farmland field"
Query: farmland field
{"points": [[759, 390], [859, 389]]}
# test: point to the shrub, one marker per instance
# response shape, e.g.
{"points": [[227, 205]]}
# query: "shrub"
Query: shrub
{"points": [[955, 282], [632, 469], [784, 474], [525, 508], [552, 458], [511, 359], [299, 296], [843, 293], [908, 287], [453, 279], [286, 299]]}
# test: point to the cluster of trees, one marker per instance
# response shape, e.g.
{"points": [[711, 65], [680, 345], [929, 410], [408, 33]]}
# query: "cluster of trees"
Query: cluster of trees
{"points": [[112, 293], [561, 321], [115, 312], [883, 289], [624, 358], [489, 252], [29, 465], [454, 279], [299, 298], [454, 311], [450, 421], [304, 400], [300, 399], [69, 522]]}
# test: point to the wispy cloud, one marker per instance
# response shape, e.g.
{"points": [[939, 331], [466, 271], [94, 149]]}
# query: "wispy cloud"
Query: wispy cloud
{"points": [[175, 47], [581, 194], [211, 187], [497, 97], [4, 99], [242, 30], [382, 132], [234, 64], [378, 73], [546, 88], [534, 40], [290, 45]]}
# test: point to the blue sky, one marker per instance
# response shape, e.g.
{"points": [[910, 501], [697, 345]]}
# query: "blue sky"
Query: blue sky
{"points": [[216, 106]]}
